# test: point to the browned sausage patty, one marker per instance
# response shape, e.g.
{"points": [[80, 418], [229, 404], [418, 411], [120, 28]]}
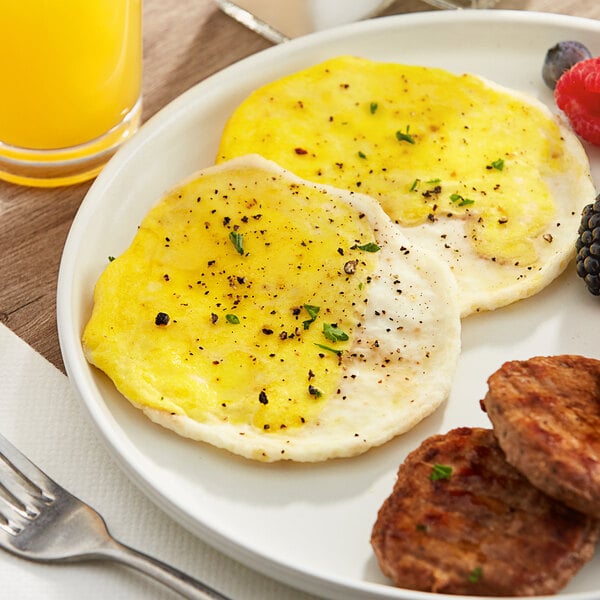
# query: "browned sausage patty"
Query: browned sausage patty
{"points": [[480, 527], [546, 416]]}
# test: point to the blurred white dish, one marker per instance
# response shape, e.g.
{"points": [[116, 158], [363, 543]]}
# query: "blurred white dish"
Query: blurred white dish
{"points": [[309, 525]]}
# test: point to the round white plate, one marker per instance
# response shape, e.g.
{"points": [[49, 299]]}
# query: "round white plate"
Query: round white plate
{"points": [[309, 525]]}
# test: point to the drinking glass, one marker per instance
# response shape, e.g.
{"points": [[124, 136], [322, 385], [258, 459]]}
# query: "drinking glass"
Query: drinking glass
{"points": [[71, 74]]}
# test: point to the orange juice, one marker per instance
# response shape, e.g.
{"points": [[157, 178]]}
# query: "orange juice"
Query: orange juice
{"points": [[71, 76]]}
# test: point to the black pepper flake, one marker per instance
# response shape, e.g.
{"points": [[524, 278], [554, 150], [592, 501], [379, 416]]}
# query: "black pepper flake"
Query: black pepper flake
{"points": [[262, 397], [300, 151], [267, 331], [350, 267], [161, 319], [214, 317]]}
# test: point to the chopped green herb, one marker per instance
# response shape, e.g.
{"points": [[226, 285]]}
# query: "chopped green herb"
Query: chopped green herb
{"points": [[415, 183], [461, 200], [312, 311], [237, 239], [370, 247], [329, 349], [111, 258], [405, 136], [498, 164], [475, 575], [373, 107], [361, 154], [434, 181], [233, 319], [440, 472], [314, 391], [332, 332]]}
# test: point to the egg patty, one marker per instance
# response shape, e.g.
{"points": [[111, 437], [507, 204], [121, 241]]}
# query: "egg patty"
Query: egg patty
{"points": [[481, 175], [276, 318]]}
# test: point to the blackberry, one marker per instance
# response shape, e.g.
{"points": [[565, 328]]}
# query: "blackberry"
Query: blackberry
{"points": [[588, 247]]}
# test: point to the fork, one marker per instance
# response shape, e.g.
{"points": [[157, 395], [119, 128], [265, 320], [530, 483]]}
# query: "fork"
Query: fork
{"points": [[41, 521]]}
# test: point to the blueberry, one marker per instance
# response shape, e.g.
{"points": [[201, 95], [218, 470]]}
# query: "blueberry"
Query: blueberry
{"points": [[561, 58]]}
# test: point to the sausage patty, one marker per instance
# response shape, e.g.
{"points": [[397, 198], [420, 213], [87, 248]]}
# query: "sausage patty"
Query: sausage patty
{"points": [[461, 520], [546, 416]]}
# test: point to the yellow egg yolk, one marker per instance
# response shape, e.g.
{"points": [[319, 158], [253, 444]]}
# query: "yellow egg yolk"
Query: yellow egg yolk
{"points": [[426, 143], [250, 287]]}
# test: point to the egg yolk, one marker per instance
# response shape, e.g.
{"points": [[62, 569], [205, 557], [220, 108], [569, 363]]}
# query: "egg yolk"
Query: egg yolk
{"points": [[426, 143], [235, 300]]}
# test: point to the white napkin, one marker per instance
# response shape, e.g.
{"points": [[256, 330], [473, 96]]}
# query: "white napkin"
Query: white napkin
{"points": [[41, 416]]}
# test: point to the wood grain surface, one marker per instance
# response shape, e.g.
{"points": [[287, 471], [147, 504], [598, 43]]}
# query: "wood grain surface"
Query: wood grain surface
{"points": [[185, 41]]}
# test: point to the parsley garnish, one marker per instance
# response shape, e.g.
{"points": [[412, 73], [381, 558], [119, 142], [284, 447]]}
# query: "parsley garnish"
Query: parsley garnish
{"points": [[373, 107], [332, 332], [475, 575], [440, 472], [111, 258], [498, 164], [461, 200], [405, 136], [233, 319], [361, 154], [415, 183], [312, 311], [370, 247], [237, 239], [329, 349], [314, 391]]}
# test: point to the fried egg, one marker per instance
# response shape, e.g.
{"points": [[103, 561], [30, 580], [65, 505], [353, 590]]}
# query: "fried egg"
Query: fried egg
{"points": [[276, 318], [481, 175]]}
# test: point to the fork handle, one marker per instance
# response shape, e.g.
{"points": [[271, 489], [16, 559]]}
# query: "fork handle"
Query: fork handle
{"points": [[177, 580]]}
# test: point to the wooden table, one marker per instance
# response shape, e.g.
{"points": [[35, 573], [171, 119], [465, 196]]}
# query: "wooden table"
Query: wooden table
{"points": [[184, 42]]}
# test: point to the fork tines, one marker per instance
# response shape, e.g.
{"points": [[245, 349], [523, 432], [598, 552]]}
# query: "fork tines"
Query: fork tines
{"points": [[23, 488]]}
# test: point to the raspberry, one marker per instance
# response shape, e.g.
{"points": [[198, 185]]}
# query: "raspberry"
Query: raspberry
{"points": [[588, 247], [577, 94]]}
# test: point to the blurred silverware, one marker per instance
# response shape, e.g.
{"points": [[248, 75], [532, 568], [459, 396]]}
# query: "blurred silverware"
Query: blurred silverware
{"points": [[279, 21], [41, 521]]}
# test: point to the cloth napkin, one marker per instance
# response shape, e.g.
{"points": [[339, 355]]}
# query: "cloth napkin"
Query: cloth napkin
{"points": [[40, 415]]}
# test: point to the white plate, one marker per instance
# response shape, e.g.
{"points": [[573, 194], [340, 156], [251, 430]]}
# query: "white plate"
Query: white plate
{"points": [[309, 525]]}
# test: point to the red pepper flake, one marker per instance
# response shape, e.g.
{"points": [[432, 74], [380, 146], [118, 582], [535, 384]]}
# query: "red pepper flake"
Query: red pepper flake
{"points": [[300, 151]]}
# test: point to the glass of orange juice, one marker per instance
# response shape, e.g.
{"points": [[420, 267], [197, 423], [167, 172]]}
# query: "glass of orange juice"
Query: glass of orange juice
{"points": [[71, 73]]}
